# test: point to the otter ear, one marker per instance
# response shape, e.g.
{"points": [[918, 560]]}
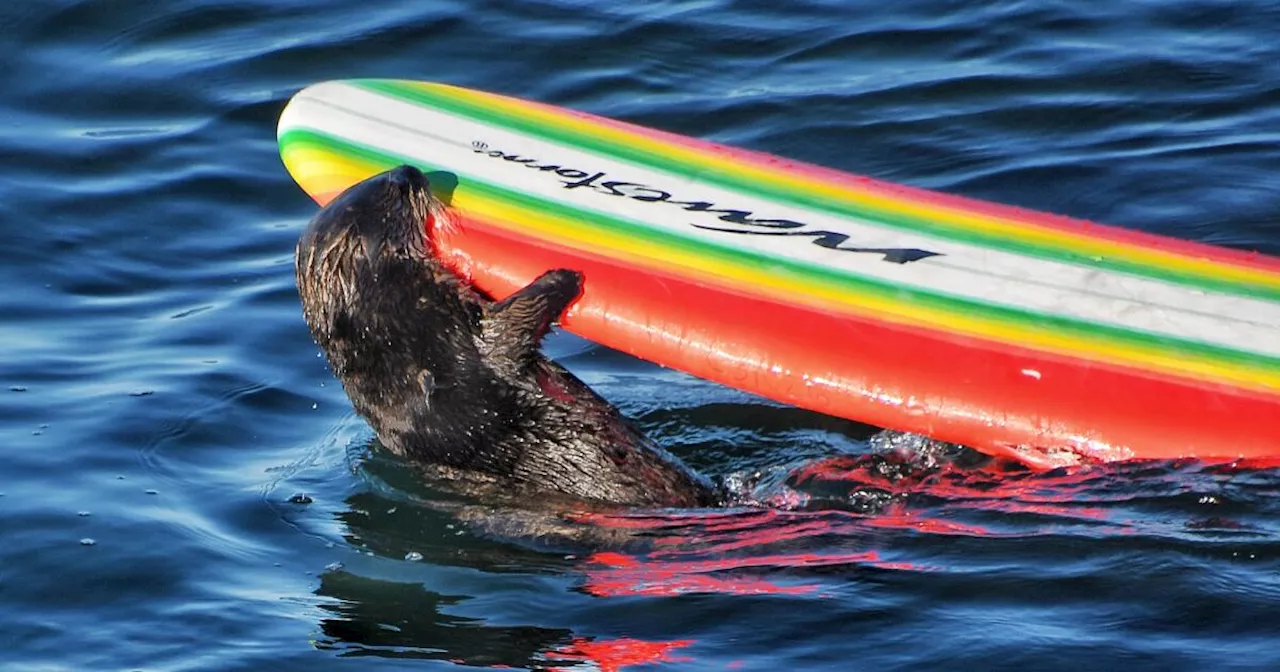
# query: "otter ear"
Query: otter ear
{"points": [[514, 327]]}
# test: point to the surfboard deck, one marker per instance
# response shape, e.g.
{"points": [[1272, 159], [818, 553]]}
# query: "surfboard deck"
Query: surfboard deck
{"points": [[1018, 333]]}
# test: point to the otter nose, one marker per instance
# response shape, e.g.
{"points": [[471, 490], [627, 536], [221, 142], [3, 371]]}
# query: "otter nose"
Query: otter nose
{"points": [[408, 176]]}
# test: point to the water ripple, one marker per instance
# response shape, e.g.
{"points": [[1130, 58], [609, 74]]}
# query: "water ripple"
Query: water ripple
{"points": [[156, 373]]}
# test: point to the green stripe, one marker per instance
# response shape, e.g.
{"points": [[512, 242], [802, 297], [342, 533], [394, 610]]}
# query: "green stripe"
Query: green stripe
{"points": [[843, 280], [568, 135]]}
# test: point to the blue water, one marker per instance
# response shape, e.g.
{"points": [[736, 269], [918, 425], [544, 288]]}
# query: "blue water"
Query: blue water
{"points": [[164, 410]]}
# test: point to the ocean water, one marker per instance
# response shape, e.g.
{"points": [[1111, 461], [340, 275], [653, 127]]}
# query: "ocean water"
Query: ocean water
{"points": [[183, 485]]}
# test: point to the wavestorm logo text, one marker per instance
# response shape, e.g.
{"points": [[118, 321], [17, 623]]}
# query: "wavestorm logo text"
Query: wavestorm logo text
{"points": [[735, 221]]}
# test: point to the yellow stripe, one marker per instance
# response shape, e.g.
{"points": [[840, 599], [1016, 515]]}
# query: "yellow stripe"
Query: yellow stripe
{"points": [[320, 172]]}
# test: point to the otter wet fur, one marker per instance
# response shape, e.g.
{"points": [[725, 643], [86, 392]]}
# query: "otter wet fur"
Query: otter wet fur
{"points": [[453, 380]]}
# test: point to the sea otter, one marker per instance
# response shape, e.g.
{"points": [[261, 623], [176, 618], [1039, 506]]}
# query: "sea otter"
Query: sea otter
{"points": [[452, 380]]}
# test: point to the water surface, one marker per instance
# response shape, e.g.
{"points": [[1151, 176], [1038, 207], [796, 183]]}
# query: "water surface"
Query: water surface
{"points": [[163, 403]]}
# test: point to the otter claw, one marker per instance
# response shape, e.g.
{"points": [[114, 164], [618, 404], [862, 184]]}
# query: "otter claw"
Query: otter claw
{"points": [[515, 326], [559, 287]]}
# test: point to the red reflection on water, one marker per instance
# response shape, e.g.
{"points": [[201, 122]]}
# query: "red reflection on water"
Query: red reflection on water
{"points": [[742, 527], [723, 552], [612, 655], [1055, 510], [748, 551], [928, 525], [617, 574], [999, 486]]}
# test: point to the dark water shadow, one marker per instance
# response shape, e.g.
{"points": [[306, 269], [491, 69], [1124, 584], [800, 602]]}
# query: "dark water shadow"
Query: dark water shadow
{"points": [[443, 184], [372, 617]]}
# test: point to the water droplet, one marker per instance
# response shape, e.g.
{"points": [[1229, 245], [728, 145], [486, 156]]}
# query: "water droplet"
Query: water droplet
{"points": [[152, 492], [87, 542], [413, 556], [393, 509], [300, 498], [315, 406], [83, 514]]}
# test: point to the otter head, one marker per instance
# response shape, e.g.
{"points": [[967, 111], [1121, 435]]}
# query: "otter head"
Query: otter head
{"points": [[374, 230], [376, 300], [385, 214]]}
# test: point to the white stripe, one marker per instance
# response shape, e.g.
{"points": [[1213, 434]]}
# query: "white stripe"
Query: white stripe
{"points": [[968, 271]]}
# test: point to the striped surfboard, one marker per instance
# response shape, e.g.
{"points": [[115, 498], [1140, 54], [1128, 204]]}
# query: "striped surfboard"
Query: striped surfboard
{"points": [[1022, 334]]}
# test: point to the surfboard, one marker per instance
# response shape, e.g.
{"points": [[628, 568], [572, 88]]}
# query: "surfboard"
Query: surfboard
{"points": [[1022, 334]]}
